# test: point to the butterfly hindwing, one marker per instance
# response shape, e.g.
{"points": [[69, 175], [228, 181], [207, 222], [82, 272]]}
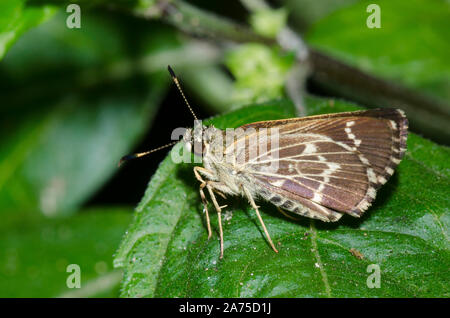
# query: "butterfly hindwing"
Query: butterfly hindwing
{"points": [[329, 164]]}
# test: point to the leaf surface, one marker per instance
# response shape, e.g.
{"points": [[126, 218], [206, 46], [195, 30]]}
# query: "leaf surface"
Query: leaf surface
{"points": [[16, 18], [36, 251]]}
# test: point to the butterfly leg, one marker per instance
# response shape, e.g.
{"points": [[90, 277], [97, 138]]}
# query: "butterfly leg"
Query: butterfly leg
{"points": [[253, 204], [199, 171], [287, 215], [219, 216], [203, 197], [205, 208]]}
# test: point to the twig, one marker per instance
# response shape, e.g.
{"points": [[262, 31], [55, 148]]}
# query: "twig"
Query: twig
{"points": [[195, 21], [428, 116]]}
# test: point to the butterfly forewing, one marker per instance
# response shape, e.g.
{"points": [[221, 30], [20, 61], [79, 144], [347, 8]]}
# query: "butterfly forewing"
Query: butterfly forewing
{"points": [[328, 164]]}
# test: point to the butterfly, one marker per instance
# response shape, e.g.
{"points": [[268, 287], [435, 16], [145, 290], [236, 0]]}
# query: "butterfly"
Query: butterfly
{"points": [[320, 167]]}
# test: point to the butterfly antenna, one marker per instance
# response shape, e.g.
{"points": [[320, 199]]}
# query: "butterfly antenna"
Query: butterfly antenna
{"points": [[142, 154], [177, 82]]}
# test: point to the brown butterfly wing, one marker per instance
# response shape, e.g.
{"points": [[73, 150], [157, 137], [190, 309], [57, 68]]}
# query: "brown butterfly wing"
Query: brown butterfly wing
{"points": [[330, 163]]}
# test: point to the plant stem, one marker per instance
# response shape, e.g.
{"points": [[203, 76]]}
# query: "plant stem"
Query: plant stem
{"points": [[427, 115], [195, 21]]}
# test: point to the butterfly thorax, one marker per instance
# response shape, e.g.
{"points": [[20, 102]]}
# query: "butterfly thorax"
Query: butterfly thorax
{"points": [[204, 140], [209, 143]]}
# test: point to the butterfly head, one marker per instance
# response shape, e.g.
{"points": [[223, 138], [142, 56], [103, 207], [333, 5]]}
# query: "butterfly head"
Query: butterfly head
{"points": [[200, 138]]}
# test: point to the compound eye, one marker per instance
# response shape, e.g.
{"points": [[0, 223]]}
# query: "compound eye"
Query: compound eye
{"points": [[188, 146]]}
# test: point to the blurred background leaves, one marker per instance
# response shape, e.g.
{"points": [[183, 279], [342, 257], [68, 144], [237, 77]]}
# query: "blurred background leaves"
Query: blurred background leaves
{"points": [[410, 50], [58, 151], [260, 72], [73, 101], [16, 18], [36, 252]]}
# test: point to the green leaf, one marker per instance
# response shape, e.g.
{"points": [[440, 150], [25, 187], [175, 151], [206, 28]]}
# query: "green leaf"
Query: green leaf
{"points": [[65, 120], [268, 22], [303, 13], [36, 252], [166, 253], [53, 161], [410, 48], [16, 18], [260, 72]]}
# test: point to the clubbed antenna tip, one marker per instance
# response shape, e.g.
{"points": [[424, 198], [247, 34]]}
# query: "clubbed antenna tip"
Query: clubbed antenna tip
{"points": [[177, 83], [125, 158], [172, 73], [142, 154]]}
